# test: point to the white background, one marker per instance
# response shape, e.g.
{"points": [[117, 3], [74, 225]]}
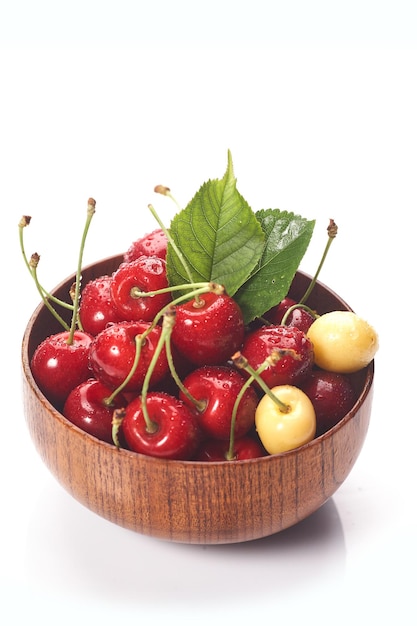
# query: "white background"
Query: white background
{"points": [[317, 102]]}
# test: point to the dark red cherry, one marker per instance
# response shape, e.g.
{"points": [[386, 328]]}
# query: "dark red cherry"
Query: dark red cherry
{"points": [[112, 355], [97, 309], [245, 448], [58, 366], [290, 369], [210, 331], [175, 433], [153, 244], [277, 312], [298, 317], [87, 407], [332, 395], [142, 275], [216, 388]]}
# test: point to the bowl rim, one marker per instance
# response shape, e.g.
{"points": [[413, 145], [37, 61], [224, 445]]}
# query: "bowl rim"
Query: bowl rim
{"points": [[56, 414]]}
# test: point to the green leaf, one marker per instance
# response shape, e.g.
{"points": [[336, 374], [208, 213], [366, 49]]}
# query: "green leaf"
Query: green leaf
{"points": [[218, 234], [287, 237]]}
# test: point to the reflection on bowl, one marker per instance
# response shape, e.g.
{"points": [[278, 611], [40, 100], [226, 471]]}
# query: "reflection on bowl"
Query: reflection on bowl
{"points": [[188, 501]]}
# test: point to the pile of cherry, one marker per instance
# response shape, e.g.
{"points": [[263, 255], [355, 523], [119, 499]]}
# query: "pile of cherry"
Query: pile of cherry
{"points": [[173, 381]]}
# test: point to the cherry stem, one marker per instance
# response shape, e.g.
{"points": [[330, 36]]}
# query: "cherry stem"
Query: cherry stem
{"points": [[139, 341], [75, 308], [169, 237], [91, 209], [230, 454], [167, 325], [32, 265], [137, 293], [171, 241], [331, 232], [117, 419], [166, 191], [294, 307], [241, 362], [24, 221], [200, 406], [208, 288]]}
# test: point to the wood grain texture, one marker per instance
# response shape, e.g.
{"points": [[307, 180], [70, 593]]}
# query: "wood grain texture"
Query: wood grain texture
{"points": [[193, 502]]}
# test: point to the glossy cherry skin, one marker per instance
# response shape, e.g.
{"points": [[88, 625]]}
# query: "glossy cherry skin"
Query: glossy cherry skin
{"points": [[277, 312], [209, 333], [246, 447], [282, 429], [176, 434], [332, 396], [289, 370], [216, 388], [97, 308], [144, 274], [58, 366], [86, 407], [298, 317], [153, 244], [113, 351]]}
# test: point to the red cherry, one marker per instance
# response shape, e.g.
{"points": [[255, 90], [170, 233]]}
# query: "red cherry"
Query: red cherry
{"points": [[153, 244], [86, 407], [216, 450], [97, 309], [112, 355], [215, 388], [277, 312], [59, 366], [208, 332], [176, 434], [290, 369], [143, 275], [299, 317], [332, 396]]}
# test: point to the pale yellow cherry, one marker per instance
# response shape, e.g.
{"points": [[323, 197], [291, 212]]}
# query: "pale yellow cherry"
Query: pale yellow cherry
{"points": [[288, 424], [343, 342]]}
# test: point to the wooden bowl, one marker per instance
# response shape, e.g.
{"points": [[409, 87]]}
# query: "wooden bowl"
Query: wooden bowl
{"points": [[187, 501]]}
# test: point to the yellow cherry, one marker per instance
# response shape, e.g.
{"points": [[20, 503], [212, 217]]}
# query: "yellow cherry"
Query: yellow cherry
{"points": [[287, 425], [343, 342]]}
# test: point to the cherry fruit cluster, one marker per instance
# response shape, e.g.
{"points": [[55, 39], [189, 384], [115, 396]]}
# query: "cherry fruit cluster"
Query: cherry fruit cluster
{"points": [[176, 371], [206, 375]]}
